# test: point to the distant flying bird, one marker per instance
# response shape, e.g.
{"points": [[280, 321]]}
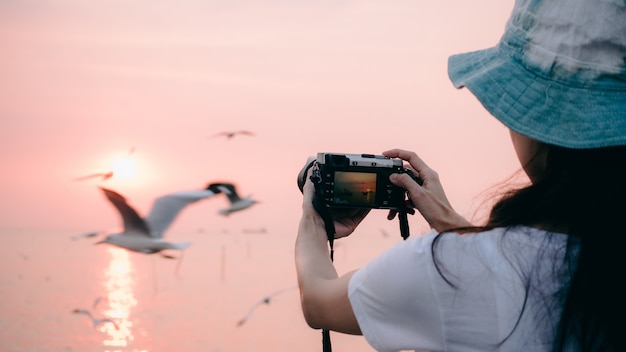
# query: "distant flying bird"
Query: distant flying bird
{"points": [[103, 175], [145, 235], [95, 322], [236, 202], [265, 300], [231, 134], [86, 235], [259, 230], [97, 301]]}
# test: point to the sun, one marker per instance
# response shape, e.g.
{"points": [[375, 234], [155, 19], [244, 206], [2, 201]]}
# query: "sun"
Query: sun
{"points": [[124, 168]]}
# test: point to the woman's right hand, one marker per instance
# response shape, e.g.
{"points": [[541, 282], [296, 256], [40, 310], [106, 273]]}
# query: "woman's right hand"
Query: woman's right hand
{"points": [[429, 198], [345, 220]]}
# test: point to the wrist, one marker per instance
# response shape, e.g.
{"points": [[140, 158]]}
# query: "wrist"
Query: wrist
{"points": [[312, 225], [453, 220]]}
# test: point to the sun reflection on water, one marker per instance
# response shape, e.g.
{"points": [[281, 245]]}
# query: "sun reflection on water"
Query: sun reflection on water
{"points": [[119, 288]]}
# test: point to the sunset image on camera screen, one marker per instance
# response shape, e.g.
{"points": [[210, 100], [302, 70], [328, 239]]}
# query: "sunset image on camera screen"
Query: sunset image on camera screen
{"points": [[355, 188]]}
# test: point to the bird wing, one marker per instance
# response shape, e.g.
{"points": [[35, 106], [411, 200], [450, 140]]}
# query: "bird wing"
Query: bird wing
{"points": [[83, 311], [86, 235], [104, 175], [133, 223], [227, 188], [239, 205], [98, 322], [96, 302], [233, 197], [166, 208], [250, 311], [220, 187], [227, 134], [264, 300]]}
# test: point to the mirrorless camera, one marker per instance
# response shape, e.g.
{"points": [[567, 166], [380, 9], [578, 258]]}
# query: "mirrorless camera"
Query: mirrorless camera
{"points": [[355, 180]]}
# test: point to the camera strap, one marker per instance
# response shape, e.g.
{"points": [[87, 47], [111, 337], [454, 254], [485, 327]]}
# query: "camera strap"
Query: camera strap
{"points": [[329, 225], [404, 222]]}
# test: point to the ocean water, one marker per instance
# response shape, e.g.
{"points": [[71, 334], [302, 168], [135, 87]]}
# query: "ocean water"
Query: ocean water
{"points": [[192, 303]]}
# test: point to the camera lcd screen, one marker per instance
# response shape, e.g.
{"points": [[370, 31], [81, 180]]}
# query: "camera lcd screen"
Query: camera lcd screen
{"points": [[354, 188]]}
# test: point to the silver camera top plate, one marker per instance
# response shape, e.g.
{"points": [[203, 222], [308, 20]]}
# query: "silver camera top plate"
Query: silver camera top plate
{"points": [[363, 160]]}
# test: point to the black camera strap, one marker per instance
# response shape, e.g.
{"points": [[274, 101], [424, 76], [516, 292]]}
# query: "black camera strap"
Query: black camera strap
{"points": [[329, 224], [330, 234], [404, 222]]}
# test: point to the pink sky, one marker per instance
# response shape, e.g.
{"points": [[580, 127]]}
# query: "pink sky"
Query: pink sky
{"points": [[83, 82]]}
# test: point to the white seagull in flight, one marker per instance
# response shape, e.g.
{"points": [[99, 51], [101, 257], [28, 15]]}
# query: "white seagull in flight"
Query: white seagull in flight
{"points": [[95, 322], [145, 235], [237, 203], [265, 300]]}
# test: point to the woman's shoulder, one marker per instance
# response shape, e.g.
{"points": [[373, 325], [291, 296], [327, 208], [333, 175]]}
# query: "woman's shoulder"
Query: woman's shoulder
{"points": [[519, 233], [492, 244]]}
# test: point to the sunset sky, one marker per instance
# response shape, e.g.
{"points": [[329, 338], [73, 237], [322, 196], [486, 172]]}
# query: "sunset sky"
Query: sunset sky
{"points": [[87, 82]]}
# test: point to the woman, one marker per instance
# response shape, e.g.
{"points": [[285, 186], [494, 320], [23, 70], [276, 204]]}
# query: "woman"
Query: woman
{"points": [[546, 270]]}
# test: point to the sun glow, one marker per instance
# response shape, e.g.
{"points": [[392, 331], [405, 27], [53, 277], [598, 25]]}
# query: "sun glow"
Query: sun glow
{"points": [[124, 168]]}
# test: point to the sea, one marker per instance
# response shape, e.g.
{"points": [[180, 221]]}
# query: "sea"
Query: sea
{"points": [[229, 291]]}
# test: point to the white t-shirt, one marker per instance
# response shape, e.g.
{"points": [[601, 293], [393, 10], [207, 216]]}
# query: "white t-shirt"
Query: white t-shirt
{"points": [[402, 302]]}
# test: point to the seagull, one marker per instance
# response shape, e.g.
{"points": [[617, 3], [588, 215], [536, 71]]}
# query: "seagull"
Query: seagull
{"points": [[104, 175], [265, 300], [236, 203], [95, 322], [86, 235], [260, 230], [145, 235], [96, 302], [231, 134]]}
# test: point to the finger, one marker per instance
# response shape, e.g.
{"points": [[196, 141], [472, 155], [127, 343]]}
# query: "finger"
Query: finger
{"points": [[411, 157], [308, 190], [405, 181]]}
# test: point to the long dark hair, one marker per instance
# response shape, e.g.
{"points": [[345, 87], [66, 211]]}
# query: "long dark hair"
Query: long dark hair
{"points": [[582, 193]]}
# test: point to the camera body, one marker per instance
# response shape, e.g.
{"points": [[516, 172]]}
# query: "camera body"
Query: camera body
{"points": [[356, 181]]}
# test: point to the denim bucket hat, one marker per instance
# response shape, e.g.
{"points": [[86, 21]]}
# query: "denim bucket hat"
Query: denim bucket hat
{"points": [[558, 74]]}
